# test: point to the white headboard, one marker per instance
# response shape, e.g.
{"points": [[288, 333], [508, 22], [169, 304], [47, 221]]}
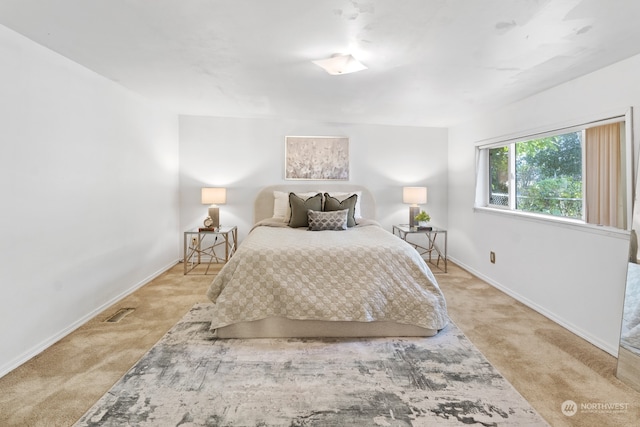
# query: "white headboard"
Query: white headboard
{"points": [[263, 207]]}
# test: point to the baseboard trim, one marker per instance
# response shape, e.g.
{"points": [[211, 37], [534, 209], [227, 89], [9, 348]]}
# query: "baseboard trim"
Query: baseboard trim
{"points": [[532, 305], [39, 348]]}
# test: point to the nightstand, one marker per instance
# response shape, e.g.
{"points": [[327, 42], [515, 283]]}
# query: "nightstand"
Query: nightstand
{"points": [[432, 248], [200, 246]]}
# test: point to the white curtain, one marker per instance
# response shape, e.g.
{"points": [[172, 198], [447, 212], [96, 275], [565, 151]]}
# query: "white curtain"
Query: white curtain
{"points": [[482, 177]]}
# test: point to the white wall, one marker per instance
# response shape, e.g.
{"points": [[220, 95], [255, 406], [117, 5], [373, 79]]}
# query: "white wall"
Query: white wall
{"points": [[573, 276], [245, 155], [89, 184]]}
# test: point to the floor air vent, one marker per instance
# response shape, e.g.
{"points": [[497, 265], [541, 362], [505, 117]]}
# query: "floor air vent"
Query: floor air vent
{"points": [[119, 315]]}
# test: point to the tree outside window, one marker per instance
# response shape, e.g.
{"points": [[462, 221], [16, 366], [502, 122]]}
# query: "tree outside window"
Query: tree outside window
{"points": [[549, 175], [499, 179]]}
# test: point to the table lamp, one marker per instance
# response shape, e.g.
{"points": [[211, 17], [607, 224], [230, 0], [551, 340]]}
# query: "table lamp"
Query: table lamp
{"points": [[213, 197], [414, 196]]}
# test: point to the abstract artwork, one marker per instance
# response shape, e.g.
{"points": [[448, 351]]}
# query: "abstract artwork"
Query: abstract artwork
{"points": [[317, 157]]}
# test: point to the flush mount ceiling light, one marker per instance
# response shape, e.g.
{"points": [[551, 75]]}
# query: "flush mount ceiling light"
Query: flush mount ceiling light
{"points": [[340, 64]]}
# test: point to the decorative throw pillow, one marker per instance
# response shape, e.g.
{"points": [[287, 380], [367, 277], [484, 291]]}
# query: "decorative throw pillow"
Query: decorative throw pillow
{"points": [[300, 206], [333, 204], [334, 220], [341, 196]]}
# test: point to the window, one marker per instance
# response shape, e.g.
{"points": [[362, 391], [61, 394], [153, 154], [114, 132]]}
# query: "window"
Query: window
{"points": [[499, 171], [577, 173], [549, 175]]}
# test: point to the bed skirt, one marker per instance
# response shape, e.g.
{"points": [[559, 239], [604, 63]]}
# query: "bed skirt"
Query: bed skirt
{"points": [[279, 327]]}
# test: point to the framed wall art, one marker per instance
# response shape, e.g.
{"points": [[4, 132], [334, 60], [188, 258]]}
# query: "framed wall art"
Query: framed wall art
{"points": [[317, 157]]}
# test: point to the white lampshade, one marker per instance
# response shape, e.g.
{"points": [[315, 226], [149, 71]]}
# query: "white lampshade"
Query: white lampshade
{"points": [[214, 196], [414, 195]]}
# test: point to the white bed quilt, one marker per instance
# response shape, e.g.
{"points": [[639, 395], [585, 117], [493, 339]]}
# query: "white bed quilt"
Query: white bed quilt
{"points": [[361, 274]]}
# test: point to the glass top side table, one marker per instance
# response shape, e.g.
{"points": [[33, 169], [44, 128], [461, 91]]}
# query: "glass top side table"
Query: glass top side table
{"points": [[198, 246], [432, 249]]}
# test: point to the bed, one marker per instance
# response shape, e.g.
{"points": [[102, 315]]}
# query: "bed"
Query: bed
{"points": [[630, 331], [359, 281]]}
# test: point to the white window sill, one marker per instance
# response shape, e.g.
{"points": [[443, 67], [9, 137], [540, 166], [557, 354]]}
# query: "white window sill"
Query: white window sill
{"points": [[556, 221]]}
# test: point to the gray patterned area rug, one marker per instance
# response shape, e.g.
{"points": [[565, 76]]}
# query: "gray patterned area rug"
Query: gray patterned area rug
{"points": [[190, 378]]}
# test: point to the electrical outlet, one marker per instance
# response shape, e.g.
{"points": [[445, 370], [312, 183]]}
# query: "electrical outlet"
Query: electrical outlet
{"points": [[194, 241], [492, 257]]}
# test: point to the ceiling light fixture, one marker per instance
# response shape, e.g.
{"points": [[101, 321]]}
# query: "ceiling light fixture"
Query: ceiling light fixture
{"points": [[340, 64]]}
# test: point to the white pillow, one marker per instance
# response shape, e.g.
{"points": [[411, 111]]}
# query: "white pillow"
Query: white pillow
{"points": [[281, 207], [280, 204], [341, 196]]}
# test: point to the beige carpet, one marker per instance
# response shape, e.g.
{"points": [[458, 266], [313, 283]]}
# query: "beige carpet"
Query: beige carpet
{"points": [[545, 363]]}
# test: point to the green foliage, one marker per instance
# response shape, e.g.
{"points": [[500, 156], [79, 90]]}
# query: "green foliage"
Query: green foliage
{"points": [[423, 216], [553, 196], [499, 169], [549, 175]]}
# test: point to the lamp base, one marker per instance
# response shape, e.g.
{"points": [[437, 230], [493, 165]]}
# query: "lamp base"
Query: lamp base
{"points": [[413, 212], [214, 214]]}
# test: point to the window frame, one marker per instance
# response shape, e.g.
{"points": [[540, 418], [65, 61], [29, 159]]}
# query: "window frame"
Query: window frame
{"points": [[482, 196]]}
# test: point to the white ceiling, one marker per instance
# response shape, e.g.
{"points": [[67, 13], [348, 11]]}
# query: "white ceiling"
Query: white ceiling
{"points": [[431, 62]]}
